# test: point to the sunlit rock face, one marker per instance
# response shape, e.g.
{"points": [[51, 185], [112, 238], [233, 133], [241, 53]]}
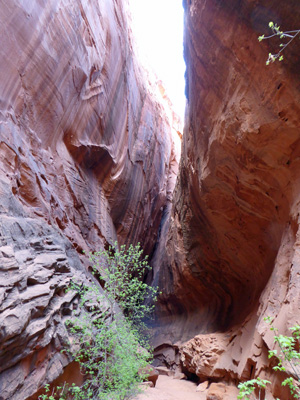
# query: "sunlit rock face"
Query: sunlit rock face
{"points": [[235, 219], [86, 158]]}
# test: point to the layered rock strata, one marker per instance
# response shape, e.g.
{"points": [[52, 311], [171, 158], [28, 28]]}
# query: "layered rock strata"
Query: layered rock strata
{"points": [[235, 220], [87, 157]]}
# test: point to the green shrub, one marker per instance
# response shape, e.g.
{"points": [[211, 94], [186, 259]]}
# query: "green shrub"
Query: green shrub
{"points": [[108, 332], [287, 356]]}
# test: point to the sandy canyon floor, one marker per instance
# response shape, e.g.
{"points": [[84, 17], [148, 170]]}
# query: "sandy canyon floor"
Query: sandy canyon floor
{"points": [[168, 388]]}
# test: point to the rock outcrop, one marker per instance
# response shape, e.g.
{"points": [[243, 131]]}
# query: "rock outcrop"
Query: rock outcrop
{"points": [[87, 157], [232, 247]]}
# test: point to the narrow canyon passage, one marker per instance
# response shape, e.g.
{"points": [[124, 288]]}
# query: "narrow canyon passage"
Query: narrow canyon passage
{"points": [[89, 156], [228, 256]]}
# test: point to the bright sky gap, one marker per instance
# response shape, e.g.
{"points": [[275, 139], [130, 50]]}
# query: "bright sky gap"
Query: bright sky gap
{"points": [[158, 29]]}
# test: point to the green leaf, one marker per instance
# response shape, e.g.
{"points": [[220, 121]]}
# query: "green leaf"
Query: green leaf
{"points": [[107, 342]]}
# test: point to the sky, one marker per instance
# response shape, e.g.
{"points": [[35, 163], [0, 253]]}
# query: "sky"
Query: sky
{"points": [[158, 31]]}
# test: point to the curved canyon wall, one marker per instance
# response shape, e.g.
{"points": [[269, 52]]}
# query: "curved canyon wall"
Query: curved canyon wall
{"points": [[87, 158], [232, 247]]}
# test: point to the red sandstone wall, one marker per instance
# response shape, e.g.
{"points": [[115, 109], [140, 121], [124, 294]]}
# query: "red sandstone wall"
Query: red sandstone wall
{"points": [[86, 158], [232, 250]]}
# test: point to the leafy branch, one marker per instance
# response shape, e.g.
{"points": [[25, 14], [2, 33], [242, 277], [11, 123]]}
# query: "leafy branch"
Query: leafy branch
{"points": [[108, 333], [287, 356], [247, 388], [289, 36]]}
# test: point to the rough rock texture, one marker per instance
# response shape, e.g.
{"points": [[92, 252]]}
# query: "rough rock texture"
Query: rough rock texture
{"points": [[36, 265], [219, 391], [235, 221], [87, 157]]}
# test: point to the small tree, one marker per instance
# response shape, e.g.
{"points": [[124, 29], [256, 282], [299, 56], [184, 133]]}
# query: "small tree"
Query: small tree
{"points": [[122, 272], [109, 341]]}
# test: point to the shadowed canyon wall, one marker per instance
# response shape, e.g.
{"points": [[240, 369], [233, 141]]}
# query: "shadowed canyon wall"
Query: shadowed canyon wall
{"points": [[87, 157], [232, 248]]}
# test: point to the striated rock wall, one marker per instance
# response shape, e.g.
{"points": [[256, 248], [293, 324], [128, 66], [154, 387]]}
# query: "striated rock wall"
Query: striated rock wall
{"points": [[232, 248], [87, 157], [239, 173]]}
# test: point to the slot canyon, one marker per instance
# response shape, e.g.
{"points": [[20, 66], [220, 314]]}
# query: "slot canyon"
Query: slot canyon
{"points": [[89, 155]]}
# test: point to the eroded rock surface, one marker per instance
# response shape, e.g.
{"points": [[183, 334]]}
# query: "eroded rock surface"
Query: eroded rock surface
{"points": [[233, 240], [87, 157], [84, 143], [239, 175]]}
